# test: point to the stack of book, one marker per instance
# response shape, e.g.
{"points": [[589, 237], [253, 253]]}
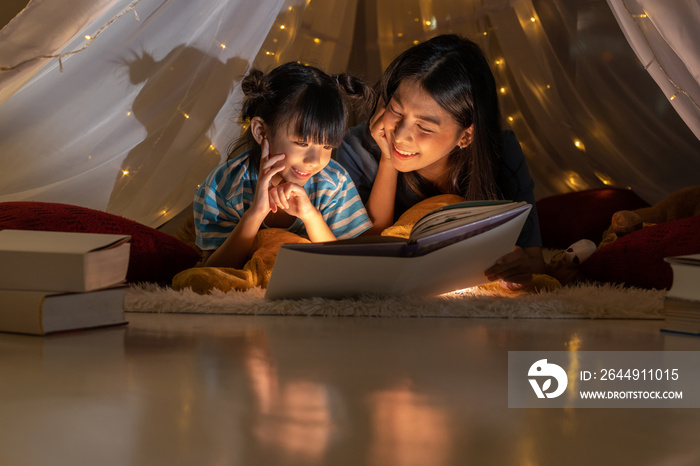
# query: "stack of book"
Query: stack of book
{"points": [[682, 302], [54, 281]]}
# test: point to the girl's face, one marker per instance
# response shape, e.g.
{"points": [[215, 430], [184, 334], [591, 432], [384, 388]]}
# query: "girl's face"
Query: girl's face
{"points": [[302, 159], [421, 134]]}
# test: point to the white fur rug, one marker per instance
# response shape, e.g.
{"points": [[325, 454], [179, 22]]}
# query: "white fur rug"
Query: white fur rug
{"points": [[579, 302]]}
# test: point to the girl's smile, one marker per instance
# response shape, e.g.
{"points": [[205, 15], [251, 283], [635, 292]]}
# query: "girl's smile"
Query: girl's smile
{"points": [[302, 159]]}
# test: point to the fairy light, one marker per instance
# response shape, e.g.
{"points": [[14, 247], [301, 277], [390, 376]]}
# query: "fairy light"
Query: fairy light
{"points": [[125, 172], [282, 26], [499, 62], [606, 180], [415, 42], [532, 18], [317, 40], [211, 147], [400, 34], [427, 23], [486, 33], [510, 118], [579, 144], [89, 38], [679, 90], [223, 46], [502, 90]]}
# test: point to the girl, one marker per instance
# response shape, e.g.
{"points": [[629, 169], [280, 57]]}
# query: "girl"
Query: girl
{"points": [[285, 178], [440, 133]]}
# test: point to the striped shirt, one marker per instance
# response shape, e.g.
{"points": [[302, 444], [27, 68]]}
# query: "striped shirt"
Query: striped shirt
{"points": [[229, 191]]}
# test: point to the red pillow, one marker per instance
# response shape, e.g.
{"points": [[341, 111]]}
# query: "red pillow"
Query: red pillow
{"points": [[569, 217], [155, 256], [637, 259]]}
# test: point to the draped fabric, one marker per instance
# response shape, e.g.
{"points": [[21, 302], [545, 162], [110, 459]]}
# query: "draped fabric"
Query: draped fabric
{"points": [[125, 106], [134, 121], [582, 105]]}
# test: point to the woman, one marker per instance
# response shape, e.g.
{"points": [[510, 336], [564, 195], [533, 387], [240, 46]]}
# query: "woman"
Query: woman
{"points": [[440, 133]]}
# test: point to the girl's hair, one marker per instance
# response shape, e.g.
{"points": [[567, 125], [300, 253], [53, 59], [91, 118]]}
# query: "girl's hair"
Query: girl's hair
{"points": [[455, 73], [310, 103]]}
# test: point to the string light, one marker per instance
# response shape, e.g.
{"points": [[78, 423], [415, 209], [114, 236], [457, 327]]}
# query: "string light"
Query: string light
{"points": [[499, 62], [579, 144], [502, 90], [679, 90], [532, 18], [89, 39], [282, 26], [317, 40], [510, 118], [125, 172], [223, 46], [604, 178]]}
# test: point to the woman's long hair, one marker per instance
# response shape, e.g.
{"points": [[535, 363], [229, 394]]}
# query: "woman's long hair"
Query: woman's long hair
{"points": [[455, 73], [303, 99]]}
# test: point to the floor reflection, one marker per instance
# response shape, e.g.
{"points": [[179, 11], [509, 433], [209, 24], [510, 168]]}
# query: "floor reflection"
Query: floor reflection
{"points": [[407, 430]]}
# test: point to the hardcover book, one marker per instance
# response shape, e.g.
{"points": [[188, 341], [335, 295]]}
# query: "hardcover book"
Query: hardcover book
{"points": [[448, 249], [60, 261]]}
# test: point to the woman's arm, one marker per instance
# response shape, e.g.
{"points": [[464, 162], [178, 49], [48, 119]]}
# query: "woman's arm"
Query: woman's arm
{"points": [[380, 206], [382, 198]]}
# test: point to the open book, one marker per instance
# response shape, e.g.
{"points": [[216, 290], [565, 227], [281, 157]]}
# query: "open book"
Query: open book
{"points": [[448, 249]]}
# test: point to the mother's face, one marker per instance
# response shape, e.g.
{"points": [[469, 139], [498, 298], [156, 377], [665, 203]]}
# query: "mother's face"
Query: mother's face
{"points": [[421, 134]]}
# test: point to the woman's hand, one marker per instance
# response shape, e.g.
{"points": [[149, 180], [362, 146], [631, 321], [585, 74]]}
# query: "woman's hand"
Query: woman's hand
{"points": [[515, 269], [269, 167], [376, 127]]}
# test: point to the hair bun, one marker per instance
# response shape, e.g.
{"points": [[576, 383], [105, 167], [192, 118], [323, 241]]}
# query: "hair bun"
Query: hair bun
{"points": [[360, 97], [253, 84], [255, 89]]}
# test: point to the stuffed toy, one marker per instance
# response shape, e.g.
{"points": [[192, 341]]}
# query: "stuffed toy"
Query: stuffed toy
{"points": [[565, 264], [680, 204]]}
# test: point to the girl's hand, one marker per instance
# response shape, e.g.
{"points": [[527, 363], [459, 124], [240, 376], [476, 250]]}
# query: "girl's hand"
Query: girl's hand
{"points": [[293, 199], [269, 167], [376, 127]]}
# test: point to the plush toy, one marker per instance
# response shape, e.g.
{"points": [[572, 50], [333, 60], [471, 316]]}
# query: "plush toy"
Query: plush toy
{"points": [[680, 204], [564, 265]]}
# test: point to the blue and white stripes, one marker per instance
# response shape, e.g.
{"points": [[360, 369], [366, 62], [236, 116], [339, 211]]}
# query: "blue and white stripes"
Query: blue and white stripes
{"points": [[229, 191]]}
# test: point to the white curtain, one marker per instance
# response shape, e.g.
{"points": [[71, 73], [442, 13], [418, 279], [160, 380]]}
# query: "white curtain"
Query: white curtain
{"points": [[125, 106], [134, 120], [583, 107]]}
